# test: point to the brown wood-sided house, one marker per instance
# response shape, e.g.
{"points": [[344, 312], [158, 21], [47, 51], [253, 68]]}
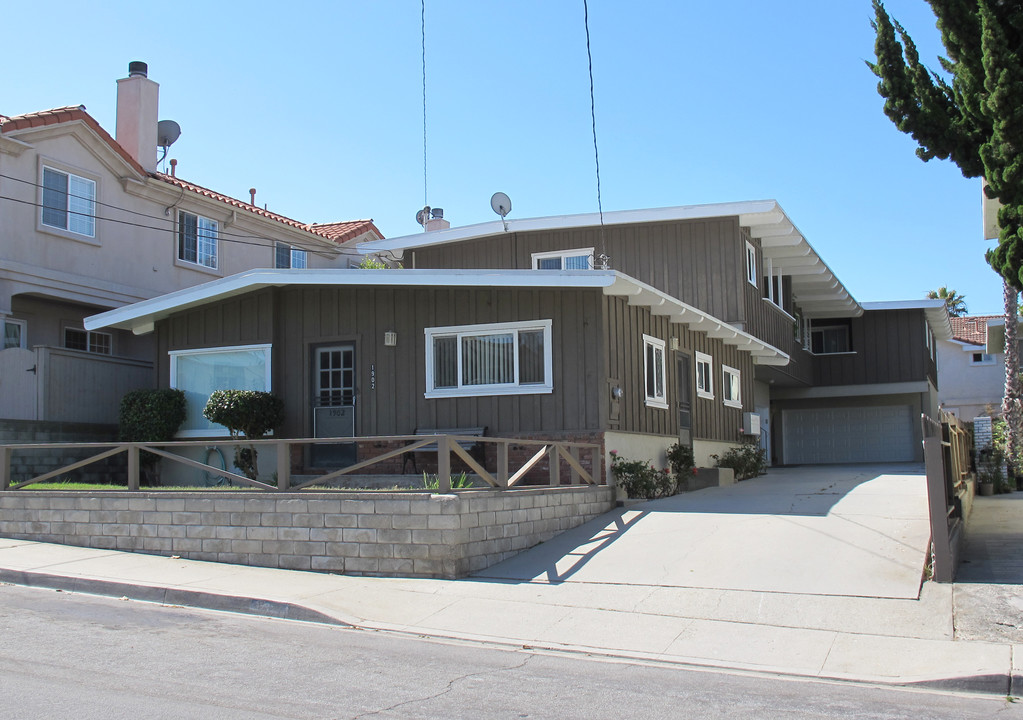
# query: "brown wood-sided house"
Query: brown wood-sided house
{"points": [[710, 324]]}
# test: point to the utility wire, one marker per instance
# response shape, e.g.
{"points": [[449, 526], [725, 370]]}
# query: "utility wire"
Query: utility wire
{"points": [[169, 222], [593, 123], [426, 196], [98, 218]]}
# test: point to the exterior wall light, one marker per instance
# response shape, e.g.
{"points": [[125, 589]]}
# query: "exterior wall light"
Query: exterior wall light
{"points": [[390, 339]]}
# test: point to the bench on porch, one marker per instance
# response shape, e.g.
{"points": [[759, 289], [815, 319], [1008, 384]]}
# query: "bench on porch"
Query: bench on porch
{"points": [[476, 449]]}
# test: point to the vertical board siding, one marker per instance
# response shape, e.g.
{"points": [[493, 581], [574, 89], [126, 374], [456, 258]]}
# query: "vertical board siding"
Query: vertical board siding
{"points": [[712, 420], [888, 347], [303, 318], [701, 262]]}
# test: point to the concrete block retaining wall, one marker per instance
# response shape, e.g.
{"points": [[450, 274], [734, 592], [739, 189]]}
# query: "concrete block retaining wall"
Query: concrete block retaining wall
{"points": [[367, 533]]}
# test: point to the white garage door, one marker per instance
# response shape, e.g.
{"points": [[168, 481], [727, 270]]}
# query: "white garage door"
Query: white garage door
{"points": [[848, 435]]}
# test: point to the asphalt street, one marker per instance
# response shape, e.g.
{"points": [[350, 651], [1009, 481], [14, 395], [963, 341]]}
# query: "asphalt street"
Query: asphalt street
{"points": [[68, 655]]}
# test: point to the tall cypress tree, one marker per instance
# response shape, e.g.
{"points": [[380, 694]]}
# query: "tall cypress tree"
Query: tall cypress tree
{"points": [[975, 119]]}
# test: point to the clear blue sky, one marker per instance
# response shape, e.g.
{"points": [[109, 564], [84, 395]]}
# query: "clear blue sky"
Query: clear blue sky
{"points": [[319, 107]]}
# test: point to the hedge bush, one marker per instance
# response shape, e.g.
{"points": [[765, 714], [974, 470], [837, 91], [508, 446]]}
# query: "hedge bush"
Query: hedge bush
{"points": [[150, 415], [748, 460]]}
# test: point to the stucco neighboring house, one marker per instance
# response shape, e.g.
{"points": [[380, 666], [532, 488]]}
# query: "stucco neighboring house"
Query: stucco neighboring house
{"points": [[88, 223], [972, 378], [714, 324]]}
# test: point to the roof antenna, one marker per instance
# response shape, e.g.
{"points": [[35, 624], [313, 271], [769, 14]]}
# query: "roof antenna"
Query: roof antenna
{"points": [[501, 204]]}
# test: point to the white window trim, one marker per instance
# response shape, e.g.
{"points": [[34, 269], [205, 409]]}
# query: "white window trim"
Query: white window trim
{"points": [[65, 232], [987, 359], [460, 331], [293, 251], [751, 265], [196, 265], [89, 334], [563, 254], [708, 392], [24, 330], [656, 401], [219, 431], [725, 372]]}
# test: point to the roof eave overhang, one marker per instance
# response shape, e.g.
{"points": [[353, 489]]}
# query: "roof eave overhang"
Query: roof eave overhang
{"points": [[142, 317], [934, 310]]}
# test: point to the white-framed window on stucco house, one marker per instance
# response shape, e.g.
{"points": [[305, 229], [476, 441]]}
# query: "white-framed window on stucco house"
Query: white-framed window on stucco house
{"points": [[513, 358], [67, 202], [199, 372], [289, 257], [198, 240]]}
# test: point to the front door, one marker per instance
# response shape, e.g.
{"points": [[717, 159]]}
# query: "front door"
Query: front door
{"points": [[334, 404], [684, 400]]}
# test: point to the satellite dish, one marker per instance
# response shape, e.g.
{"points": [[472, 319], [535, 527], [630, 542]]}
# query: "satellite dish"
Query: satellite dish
{"points": [[501, 204], [167, 131], [423, 216]]}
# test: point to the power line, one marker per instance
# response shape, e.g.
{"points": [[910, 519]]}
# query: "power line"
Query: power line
{"points": [[593, 123], [170, 223], [426, 194], [171, 230]]}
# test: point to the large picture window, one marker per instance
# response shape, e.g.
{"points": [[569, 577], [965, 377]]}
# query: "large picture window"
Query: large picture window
{"points": [[69, 202], [200, 372], [197, 239], [496, 359], [653, 371]]}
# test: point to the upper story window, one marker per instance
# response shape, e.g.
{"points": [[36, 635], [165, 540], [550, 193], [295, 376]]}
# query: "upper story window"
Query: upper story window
{"points": [[829, 336], [982, 358], [704, 376], [731, 387], [88, 341], [14, 333], [197, 239], [579, 259], [751, 264], [654, 371], [69, 202], [286, 256], [494, 359]]}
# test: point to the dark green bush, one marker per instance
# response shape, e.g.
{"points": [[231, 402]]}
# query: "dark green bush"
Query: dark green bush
{"points": [[245, 413], [150, 416], [748, 460], [682, 463]]}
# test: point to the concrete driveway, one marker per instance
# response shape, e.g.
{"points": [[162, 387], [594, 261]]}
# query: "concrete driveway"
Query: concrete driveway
{"points": [[859, 530]]}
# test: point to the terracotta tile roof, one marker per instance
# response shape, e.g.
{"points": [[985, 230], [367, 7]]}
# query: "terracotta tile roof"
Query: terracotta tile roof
{"points": [[70, 113], [335, 232], [971, 329], [341, 232]]}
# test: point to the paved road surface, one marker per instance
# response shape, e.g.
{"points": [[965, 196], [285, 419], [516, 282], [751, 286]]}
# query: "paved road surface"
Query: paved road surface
{"points": [[65, 655]]}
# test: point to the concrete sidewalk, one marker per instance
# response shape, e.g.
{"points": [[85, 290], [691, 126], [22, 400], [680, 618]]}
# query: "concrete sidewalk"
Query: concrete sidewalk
{"points": [[892, 640]]}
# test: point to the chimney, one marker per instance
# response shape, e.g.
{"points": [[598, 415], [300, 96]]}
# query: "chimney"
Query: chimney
{"points": [[437, 221], [138, 100]]}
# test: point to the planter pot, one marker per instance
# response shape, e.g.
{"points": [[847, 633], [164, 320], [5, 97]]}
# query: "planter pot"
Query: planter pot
{"points": [[987, 488]]}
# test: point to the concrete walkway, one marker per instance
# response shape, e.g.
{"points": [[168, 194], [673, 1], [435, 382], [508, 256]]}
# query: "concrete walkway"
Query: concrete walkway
{"points": [[696, 614]]}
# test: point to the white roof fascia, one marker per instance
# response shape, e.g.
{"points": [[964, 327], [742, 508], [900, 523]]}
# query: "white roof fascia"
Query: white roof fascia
{"points": [[559, 222], [140, 317]]}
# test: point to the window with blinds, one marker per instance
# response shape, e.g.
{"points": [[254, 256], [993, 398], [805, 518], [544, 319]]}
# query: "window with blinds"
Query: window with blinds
{"points": [[497, 359]]}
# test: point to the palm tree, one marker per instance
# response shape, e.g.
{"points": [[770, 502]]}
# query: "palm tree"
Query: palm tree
{"points": [[955, 302]]}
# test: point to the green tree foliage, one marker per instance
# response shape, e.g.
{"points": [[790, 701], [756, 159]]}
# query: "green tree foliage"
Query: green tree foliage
{"points": [[975, 117], [245, 413], [954, 302]]}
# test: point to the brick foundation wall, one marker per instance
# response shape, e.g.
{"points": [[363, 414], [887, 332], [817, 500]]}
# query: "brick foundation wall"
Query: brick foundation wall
{"points": [[384, 534]]}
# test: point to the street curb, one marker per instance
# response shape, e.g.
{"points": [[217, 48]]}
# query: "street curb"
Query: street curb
{"points": [[1003, 684], [170, 596]]}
